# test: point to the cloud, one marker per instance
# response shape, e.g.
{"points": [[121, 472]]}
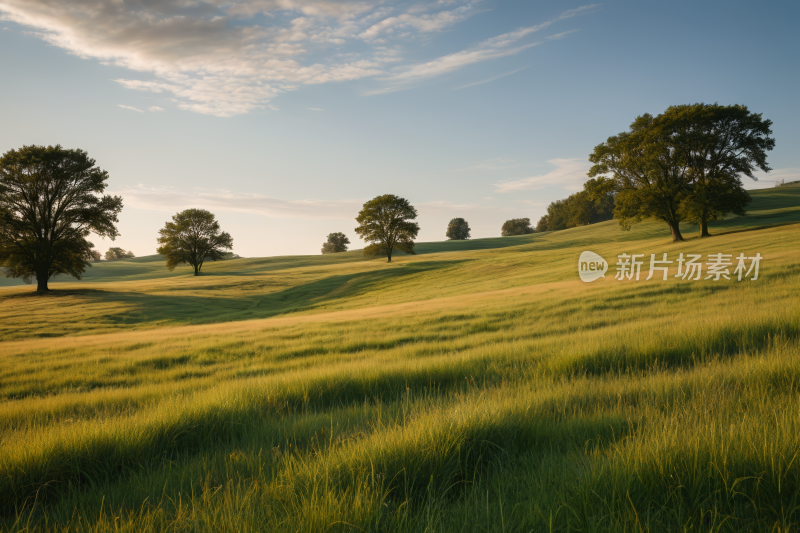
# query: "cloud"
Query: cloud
{"points": [[155, 109], [769, 179], [130, 107], [315, 109], [569, 174], [473, 84], [170, 199], [223, 57], [493, 48]]}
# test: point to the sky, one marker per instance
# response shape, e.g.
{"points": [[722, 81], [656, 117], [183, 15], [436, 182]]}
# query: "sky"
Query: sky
{"points": [[283, 117]]}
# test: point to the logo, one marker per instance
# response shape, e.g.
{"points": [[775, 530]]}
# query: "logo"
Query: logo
{"points": [[591, 266]]}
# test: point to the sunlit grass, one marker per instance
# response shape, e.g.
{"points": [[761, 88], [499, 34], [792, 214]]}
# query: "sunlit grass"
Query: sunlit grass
{"points": [[485, 389]]}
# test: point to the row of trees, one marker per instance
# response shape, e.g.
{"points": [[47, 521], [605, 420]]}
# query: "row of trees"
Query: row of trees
{"points": [[684, 164]]}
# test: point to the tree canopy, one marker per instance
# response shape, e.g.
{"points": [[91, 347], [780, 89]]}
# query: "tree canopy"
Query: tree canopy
{"points": [[115, 254], [51, 199], [337, 242], [458, 230], [385, 223], [192, 237], [595, 203], [720, 144], [684, 164], [516, 226]]}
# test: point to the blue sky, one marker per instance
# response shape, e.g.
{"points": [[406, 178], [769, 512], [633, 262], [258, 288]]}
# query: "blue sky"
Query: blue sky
{"points": [[283, 117]]}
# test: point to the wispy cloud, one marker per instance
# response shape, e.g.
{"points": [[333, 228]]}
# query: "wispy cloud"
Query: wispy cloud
{"points": [[225, 58], [500, 46], [315, 109], [473, 84], [569, 174], [130, 107], [170, 199], [155, 109]]}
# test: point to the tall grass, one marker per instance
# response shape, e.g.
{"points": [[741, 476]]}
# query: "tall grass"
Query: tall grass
{"points": [[486, 391]]}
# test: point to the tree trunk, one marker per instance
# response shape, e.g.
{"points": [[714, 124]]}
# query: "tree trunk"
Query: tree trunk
{"points": [[703, 228], [41, 282], [197, 270], [390, 256], [676, 232]]}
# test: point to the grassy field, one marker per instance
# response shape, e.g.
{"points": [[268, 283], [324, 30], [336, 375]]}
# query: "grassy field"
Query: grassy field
{"points": [[477, 386]]}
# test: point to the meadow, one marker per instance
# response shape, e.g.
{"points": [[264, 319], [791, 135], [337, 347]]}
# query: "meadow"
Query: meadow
{"points": [[476, 386]]}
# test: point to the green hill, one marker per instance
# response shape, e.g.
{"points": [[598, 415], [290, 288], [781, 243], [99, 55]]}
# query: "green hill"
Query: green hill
{"points": [[476, 386]]}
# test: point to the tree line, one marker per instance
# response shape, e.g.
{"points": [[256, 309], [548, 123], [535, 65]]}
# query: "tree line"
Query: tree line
{"points": [[682, 165]]}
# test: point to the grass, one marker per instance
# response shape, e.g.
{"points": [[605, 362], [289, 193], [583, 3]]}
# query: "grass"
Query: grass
{"points": [[478, 386]]}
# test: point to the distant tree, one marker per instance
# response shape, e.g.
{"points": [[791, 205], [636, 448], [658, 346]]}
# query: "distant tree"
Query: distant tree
{"points": [[115, 254], [337, 242], [651, 178], [720, 144], [516, 226], [93, 255], [458, 230], [51, 198], [228, 256], [192, 237], [542, 224], [385, 223]]}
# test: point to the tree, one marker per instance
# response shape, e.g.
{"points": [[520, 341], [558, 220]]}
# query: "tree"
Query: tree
{"points": [[516, 226], [192, 237], [720, 143], [93, 255], [115, 254], [458, 230], [337, 242], [595, 203], [51, 199], [651, 177], [385, 223], [542, 224]]}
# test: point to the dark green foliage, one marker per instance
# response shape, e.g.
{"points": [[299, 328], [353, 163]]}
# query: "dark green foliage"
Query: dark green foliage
{"points": [[684, 164], [115, 254], [720, 143], [93, 255], [51, 198], [337, 242], [595, 203], [516, 226], [458, 230], [385, 223], [192, 237]]}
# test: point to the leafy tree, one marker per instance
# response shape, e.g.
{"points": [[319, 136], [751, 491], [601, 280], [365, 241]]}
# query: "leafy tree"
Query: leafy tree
{"points": [[651, 178], [51, 198], [192, 237], [115, 254], [595, 203], [458, 230], [543, 223], [720, 143], [516, 226], [337, 242], [93, 255], [385, 223]]}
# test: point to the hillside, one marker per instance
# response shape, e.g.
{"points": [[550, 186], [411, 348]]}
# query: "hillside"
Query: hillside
{"points": [[476, 386]]}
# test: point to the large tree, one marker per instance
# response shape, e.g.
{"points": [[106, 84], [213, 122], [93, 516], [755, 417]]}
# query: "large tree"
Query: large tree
{"points": [[651, 177], [192, 237], [336, 243], [386, 223], [720, 144], [51, 199], [458, 230]]}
